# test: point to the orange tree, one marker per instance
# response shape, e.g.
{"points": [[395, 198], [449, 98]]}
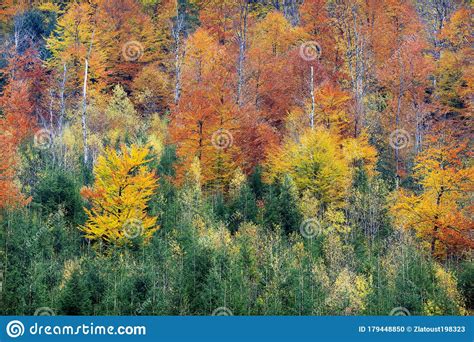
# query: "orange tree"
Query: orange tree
{"points": [[440, 213]]}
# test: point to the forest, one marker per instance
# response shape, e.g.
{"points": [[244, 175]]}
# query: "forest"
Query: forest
{"points": [[236, 157]]}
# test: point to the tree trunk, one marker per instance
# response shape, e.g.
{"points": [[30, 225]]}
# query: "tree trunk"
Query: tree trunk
{"points": [[436, 226], [312, 98], [62, 101], [84, 102], [242, 39], [84, 114], [401, 92], [201, 139], [62, 114], [178, 55]]}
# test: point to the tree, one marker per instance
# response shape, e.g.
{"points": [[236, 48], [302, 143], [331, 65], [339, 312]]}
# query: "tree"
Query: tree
{"points": [[70, 44], [127, 37], [206, 115], [403, 71], [10, 195], [24, 95], [331, 106], [121, 117], [454, 74], [16, 124], [350, 18], [271, 76], [440, 213], [219, 16], [316, 164], [122, 188], [74, 49], [281, 208], [152, 90]]}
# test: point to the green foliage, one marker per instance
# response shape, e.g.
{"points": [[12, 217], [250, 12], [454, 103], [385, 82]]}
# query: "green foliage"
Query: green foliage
{"points": [[59, 189], [35, 250], [75, 295], [281, 206], [194, 265], [466, 282], [222, 98]]}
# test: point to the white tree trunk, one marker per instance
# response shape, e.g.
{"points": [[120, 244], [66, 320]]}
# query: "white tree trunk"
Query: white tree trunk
{"points": [[242, 39], [177, 31], [313, 104], [84, 114]]}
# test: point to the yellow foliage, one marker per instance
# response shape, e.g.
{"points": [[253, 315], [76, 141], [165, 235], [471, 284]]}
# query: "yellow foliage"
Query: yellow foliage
{"points": [[123, 186], [296, 122], [337, 221], [348, 293], [69, 45], [157, 135], [440, 214], [194, 173], [359, 152], [152, 89], [316, 164], [49, 7], [308, 205], [458, 31], [237, 181], [70, 266], [449, 284], [331, 108], [430, 308], [274, 35], [121, 118]]}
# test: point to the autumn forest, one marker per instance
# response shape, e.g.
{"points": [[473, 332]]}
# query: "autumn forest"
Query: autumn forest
{"points": [[236, 157]]}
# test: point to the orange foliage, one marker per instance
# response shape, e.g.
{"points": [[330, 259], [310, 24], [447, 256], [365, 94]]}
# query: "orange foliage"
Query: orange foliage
{"points": [[441, 213], [15, 125], [204, 119]]}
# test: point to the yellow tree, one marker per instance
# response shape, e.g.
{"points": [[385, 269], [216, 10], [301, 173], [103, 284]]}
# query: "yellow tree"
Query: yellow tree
{"points": [[440, 214], [316, 164], [331, 110], [75, 40], [454, 73], [123, 187]]}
